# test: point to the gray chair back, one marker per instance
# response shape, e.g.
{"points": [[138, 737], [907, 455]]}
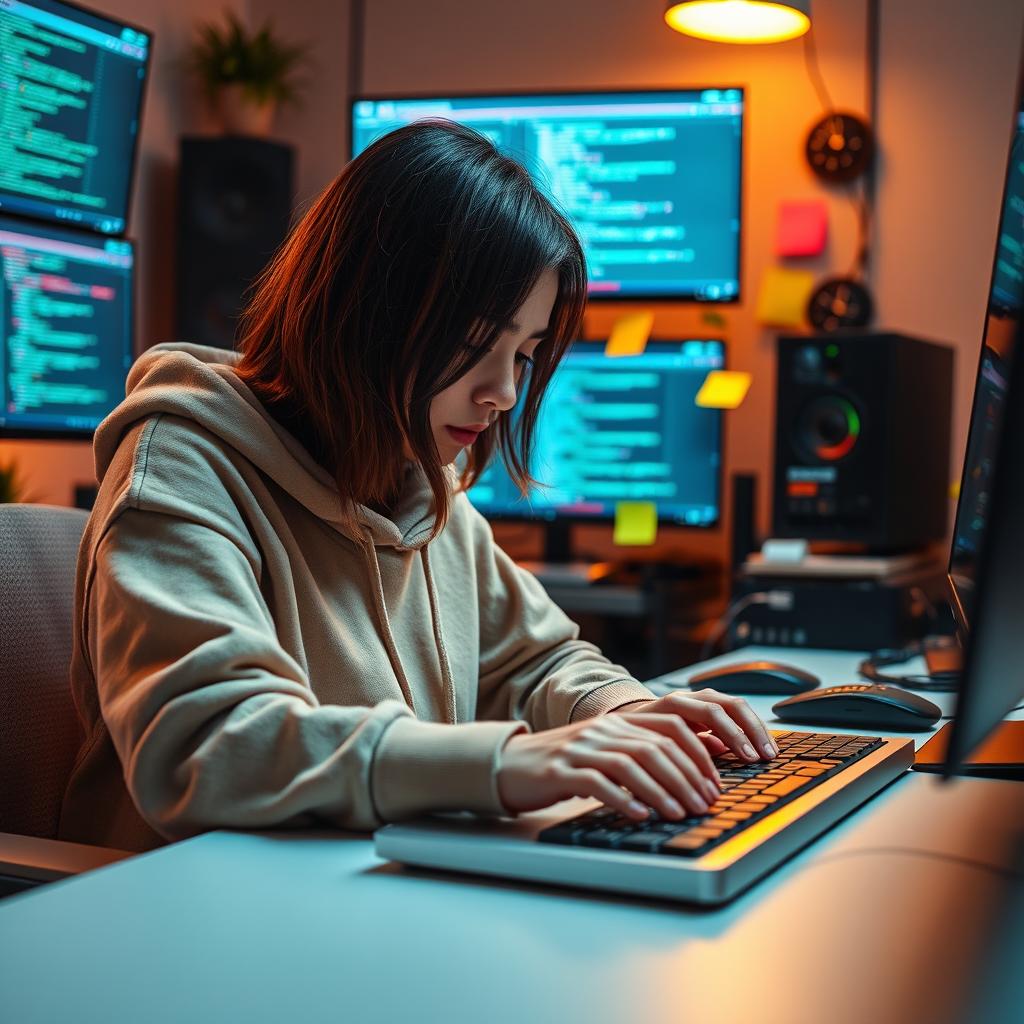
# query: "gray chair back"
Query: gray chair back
{"points": [[39, 731]]}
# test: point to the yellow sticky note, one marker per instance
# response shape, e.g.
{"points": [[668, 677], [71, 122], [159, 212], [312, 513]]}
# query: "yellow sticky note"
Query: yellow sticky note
{"points": [[636, 522], [629, 335], [784, 296], [723, 389]]}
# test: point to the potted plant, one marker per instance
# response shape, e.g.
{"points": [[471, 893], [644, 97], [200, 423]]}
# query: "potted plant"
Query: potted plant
{"points": [[245, 75]]}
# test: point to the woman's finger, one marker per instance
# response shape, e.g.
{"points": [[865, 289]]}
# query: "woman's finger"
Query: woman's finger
{"points": [[675, 729], [743, 714], [622, 769], [662, 759], [589, 782]]}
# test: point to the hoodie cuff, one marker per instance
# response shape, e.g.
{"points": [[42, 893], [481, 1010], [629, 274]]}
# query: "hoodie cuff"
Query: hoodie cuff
{"points": [[609, 697], [425, 766]]}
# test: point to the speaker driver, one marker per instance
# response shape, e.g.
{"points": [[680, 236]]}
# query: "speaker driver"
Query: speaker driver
{"points": [[828, 428]]}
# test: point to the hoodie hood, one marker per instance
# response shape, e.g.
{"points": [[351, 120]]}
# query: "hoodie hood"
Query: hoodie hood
{"points": [[199, 383]]}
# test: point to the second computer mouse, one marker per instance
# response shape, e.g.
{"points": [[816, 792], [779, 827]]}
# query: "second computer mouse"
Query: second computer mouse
{"points": [[756, 677], [873, 704]]}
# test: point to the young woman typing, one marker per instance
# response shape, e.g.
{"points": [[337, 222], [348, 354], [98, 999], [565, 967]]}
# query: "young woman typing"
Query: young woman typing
{"points": [[288, 612]]}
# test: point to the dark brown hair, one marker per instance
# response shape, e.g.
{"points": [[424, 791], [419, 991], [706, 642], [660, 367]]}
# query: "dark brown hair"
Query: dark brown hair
{"points": [[397, 280]]}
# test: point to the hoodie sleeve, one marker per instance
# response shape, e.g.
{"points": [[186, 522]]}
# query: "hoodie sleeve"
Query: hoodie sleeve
{"points": [[216, 725], [533, 666]]}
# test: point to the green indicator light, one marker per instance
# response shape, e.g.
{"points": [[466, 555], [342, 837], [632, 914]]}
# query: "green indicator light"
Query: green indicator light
{"points": [[831, 351]]}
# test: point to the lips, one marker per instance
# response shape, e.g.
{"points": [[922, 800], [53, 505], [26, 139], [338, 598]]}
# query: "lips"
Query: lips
{"points": [[464, 435]]}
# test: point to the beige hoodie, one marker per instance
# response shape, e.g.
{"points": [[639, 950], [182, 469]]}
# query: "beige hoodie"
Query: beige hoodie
{"points": [[240, 660]]}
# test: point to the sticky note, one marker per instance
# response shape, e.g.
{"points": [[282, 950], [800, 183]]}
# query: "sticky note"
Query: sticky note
{"points": [[802, 228], [723, 389], [783, 298], [629, 335], [636, 522]]}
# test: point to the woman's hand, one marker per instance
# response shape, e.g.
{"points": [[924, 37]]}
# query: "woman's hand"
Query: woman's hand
{"points": [[644, 755], [726, 723]]}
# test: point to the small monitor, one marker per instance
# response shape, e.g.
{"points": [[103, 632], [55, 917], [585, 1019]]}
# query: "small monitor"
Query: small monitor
{"points": [[72, 84], [622, 428], [651, 180], [66, 304]]}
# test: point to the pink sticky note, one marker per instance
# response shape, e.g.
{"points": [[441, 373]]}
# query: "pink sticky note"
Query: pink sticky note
{"points": [[803, 227]]}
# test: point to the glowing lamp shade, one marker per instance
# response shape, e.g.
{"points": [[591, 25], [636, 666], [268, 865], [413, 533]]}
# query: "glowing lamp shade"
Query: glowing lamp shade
{"points": [[740, 21]]}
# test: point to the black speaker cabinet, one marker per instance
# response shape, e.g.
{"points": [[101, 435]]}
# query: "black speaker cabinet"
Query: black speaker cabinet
{"points": [[862, 431], [234, 207]]}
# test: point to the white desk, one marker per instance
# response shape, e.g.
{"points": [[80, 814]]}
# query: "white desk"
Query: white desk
{"points": [[893, 916]]}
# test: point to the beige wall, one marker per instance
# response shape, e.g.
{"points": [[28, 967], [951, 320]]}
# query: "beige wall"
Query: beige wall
{"points": [[946, 92]]}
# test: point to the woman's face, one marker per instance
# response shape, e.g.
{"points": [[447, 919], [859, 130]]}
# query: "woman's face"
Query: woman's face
{"points": [[476, 399]]}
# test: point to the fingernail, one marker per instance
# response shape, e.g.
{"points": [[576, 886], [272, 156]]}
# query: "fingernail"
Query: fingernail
{"points": [[769, 750], [635, 807], [749, 750], [711, 789], [674, 808]]}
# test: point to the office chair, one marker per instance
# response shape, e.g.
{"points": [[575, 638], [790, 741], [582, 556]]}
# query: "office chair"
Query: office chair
{"points": [[39, 731]]}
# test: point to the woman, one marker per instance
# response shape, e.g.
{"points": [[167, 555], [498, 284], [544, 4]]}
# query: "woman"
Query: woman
{"points": [[288, 612]]}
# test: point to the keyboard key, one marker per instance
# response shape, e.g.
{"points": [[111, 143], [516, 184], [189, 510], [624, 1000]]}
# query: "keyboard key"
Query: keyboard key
{"points": [[685, 845], [787, 786], [643, 842]]}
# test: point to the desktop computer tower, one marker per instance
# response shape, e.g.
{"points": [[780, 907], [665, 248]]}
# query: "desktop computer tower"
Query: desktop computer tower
{"points": [[234, 209], [862, 434]]}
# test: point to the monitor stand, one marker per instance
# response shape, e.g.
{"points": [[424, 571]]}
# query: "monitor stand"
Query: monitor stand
{"points": [[1000, 756], [557, 566]]}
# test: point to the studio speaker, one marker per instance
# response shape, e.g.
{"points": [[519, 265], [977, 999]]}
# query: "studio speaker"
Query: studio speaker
{"points": [[234, 207], [862, 434]]}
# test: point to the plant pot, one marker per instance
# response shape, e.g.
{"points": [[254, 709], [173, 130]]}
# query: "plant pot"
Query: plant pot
{"points": [[239, 114]]}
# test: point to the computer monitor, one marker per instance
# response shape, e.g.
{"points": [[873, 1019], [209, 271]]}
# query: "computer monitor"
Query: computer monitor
{"points": [[986, 566], [72, 84], [650, 179], [66, 307], [615, 429]]}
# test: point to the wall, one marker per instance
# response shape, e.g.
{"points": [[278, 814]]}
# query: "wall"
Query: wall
{"points": [[946, 91]]}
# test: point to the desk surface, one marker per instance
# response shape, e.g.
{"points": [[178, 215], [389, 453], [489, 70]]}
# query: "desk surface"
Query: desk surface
{"points": [[907, 910]]}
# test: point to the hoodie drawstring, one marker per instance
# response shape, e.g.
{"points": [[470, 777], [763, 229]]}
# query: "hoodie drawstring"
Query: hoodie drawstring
{"points": [[373, 566], [448, 686]]}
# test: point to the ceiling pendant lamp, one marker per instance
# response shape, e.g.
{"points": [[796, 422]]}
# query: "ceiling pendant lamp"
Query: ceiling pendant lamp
{"points": [[739, 21]]}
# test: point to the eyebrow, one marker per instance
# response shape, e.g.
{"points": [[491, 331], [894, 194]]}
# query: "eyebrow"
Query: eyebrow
{"points": [[511, 325]]}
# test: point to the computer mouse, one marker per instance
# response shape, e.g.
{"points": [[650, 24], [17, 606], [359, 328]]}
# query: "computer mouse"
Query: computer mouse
{"points": [[756, 677], [874, 704]]}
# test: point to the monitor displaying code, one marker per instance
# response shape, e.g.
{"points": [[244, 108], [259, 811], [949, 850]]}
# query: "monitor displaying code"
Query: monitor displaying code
{"points": [[65, 328], [650, 180], [623, 428], [71, 85]]}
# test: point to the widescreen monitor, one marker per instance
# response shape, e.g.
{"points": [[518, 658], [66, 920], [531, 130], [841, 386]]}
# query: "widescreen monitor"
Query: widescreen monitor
{"points": [[620, 428], [71, 86], [66, 306], [651, 180]]}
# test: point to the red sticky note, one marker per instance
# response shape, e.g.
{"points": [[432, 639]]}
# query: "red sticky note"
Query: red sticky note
{"points": [[803, 227]]}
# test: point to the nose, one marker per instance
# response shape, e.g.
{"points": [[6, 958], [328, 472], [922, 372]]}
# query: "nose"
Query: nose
{"points": [[499, 389]]}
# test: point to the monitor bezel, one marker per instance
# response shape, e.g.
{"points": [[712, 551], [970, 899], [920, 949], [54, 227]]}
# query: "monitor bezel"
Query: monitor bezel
{"points": [[604, 520], [958, 605], [42, 219], [637, 91], [85, 434]]}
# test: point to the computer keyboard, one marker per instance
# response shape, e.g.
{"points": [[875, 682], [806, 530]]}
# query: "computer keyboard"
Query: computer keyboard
{"points": [[749, 792]]}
